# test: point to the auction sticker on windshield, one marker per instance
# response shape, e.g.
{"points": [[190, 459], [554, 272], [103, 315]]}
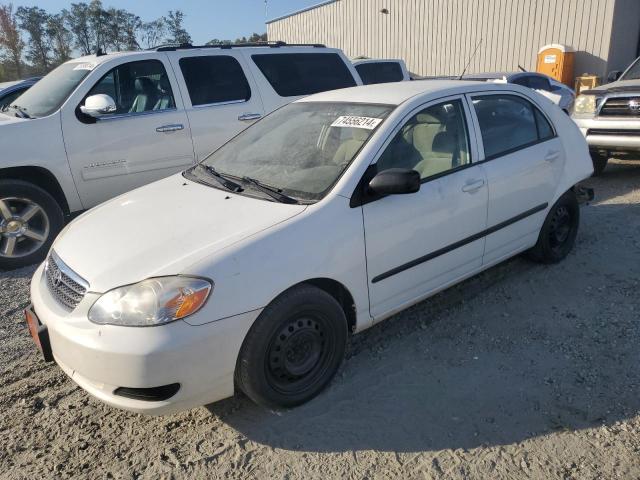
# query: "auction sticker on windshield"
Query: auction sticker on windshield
{"points": [[85, 66], [356, 122]]}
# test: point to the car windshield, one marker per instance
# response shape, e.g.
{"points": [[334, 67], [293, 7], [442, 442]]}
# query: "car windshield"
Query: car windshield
{"points": [[46, 96], [301, 149], [633, 73]]}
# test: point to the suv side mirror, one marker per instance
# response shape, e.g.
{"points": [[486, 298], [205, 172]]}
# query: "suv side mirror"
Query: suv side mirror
{"points": [[395, 181], [98, 105], [613, 76]]}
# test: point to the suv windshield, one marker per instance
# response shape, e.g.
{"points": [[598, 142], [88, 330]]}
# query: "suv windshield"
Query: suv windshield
{"points": [[46, 96], [301, 149], [634, 71]]}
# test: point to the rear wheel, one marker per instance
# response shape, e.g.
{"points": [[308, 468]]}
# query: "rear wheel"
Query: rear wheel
{"points": [[559, 231], [600, 160], [30, 219], [294, 348]]}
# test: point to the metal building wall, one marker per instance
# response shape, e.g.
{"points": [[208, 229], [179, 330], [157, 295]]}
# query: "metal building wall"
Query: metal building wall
{"points": [[437, 37]]}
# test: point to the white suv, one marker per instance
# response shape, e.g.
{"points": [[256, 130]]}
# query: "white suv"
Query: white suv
{"points": [[99, 126]]}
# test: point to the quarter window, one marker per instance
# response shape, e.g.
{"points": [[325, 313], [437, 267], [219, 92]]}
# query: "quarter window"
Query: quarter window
{"points": [[137, 87], [379, 72], [214, 79], [508, 123], [432, 142], [295, 74]]}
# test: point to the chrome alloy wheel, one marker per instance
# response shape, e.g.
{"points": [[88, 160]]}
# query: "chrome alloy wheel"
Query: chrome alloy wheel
{"points": [[24, 227]]}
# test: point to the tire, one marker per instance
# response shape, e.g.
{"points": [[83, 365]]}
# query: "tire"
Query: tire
{"points": [[600, 161], [559, 231], [294, 348], [30, 219]]}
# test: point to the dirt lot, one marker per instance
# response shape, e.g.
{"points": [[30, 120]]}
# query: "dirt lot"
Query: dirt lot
{"points": [[525, 371]]}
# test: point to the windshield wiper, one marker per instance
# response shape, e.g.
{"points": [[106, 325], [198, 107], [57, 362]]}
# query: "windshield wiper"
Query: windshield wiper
{"points": [[228, 184], [20, 111], [272, 192]]}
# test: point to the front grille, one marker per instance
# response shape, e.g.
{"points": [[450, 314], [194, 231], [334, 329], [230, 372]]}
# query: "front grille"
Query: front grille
{"points": [[65, 285], [621, 107], [614, 131]]}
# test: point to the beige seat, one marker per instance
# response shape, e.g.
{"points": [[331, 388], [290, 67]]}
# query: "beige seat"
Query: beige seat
{"points": [[440, 158], [347, 149]]}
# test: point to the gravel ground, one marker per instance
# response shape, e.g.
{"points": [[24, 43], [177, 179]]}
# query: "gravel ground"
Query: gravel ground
{"points": [[525, 371]]}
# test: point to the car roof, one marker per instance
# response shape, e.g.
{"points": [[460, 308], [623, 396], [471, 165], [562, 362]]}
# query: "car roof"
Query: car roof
{"points": [[397, 92]]}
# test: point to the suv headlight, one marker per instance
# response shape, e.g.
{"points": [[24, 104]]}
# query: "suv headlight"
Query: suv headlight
{"points": [[154, 301], [585, 104]]}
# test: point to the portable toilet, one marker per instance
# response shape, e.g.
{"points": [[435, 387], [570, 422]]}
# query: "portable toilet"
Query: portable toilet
{"points": [[556, 61]]}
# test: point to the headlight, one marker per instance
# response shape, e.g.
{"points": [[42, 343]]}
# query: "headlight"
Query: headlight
{"points": [[154, 301], [585, 104]]}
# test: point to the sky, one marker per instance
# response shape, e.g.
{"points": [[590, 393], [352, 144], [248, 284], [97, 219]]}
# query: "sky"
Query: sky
{"points": [[204, 19]]}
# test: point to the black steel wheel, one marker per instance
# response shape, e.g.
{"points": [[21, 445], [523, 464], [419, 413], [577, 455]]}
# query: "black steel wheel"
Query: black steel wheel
{"points": [[294, 348]]}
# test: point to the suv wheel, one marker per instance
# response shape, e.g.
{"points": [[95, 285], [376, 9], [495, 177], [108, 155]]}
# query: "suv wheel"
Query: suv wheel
{"points": [[30, 219], [293, 349], [599, 160]]}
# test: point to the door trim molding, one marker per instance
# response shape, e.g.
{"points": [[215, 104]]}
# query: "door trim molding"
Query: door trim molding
{"points": [[459, 243]]}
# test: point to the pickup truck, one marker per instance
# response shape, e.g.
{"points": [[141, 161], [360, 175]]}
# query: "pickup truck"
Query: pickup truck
{"points": [[609, 117], [101, 125]]}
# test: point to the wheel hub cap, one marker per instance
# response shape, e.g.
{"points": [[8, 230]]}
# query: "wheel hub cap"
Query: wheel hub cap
{"points": [[24, 227]]}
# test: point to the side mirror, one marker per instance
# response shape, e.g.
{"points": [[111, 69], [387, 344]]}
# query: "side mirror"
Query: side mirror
{"points": [[613, 76], [99, 105], [395, 181]]}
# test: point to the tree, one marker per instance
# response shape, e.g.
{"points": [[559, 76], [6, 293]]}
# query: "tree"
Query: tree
{"points": [[34, 21], [153, 33], [177, 33], [78, 23], [10, 41], [121, 31], [61, 37], [99, 25]]}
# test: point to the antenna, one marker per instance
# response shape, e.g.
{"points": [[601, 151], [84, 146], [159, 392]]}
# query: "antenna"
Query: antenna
{"points": [[470, 59], [521, 68]]}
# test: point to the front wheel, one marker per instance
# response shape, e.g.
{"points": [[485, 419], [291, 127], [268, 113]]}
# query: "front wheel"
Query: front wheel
{"points": [[559, 231], [30, 219], [294, 348]]}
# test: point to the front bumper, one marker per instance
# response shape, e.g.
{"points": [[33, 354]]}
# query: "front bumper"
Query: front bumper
{"points": [[612, 134], [101, 358]]}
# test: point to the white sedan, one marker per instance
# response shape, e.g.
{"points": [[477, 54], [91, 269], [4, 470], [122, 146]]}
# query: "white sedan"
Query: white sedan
{"points": [[333, 213]]}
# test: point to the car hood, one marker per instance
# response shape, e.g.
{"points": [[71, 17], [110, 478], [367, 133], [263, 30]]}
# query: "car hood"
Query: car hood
{"points": [[616, 87], [161, 229]]}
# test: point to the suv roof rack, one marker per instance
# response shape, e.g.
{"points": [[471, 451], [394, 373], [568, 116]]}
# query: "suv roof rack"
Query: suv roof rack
{"points": [[278, 44]]}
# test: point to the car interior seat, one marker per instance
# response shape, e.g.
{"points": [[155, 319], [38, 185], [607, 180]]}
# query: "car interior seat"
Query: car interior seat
{"points": [[146, 95], [348, 148], [166, 98]]}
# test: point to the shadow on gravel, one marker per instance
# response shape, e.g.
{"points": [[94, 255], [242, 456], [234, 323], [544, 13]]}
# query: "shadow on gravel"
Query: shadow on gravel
{"points": [[619, 178], [519, 351]]}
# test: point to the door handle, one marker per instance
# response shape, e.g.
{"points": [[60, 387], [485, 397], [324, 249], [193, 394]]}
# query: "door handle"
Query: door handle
{"points": [[473, 186], [170, 128], [552, 156], [247, 117]]}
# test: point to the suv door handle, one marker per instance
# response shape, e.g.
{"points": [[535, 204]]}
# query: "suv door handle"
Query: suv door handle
{"points": [[247, 117], [170, 128], [552, 156], [473, 186]]}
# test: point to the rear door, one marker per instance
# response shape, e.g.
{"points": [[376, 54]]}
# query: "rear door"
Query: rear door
{"points": [[523, 160], [220, 95], [145, 139]]}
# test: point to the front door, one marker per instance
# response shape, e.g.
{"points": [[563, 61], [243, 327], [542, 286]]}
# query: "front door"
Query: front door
{"points": [[420, 242], [145, 139]]}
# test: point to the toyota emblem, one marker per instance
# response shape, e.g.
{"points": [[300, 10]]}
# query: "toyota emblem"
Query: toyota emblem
{"points": [[634, 105], [57, 278]]}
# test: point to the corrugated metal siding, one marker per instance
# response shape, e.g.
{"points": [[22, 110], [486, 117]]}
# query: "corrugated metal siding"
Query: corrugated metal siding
{"points": [[437, 37]]}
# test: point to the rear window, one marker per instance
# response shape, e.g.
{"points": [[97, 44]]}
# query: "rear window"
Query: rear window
{"points": [[382, 72], [296, 74], [214, 79]]}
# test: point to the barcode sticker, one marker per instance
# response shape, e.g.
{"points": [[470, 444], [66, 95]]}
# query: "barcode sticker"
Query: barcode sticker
{"points": [[357, 122]]}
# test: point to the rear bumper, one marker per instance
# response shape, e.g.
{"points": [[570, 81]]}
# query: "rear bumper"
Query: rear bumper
{"points": [[616, 135], [102, 358]]}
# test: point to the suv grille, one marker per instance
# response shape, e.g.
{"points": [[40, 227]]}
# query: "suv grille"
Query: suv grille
{"points": [[65, 285], [621, 107]]}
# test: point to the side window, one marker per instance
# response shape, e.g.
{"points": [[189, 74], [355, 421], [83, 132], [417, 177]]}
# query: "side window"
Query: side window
{"points": [[431, 142], [137, 87], [508, 123], [294, 74], [214, 79], [381, 72], [539, 83]]}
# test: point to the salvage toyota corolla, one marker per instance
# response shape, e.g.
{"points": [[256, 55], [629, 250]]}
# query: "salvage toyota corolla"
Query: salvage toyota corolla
{"points": [[250, 269]]}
